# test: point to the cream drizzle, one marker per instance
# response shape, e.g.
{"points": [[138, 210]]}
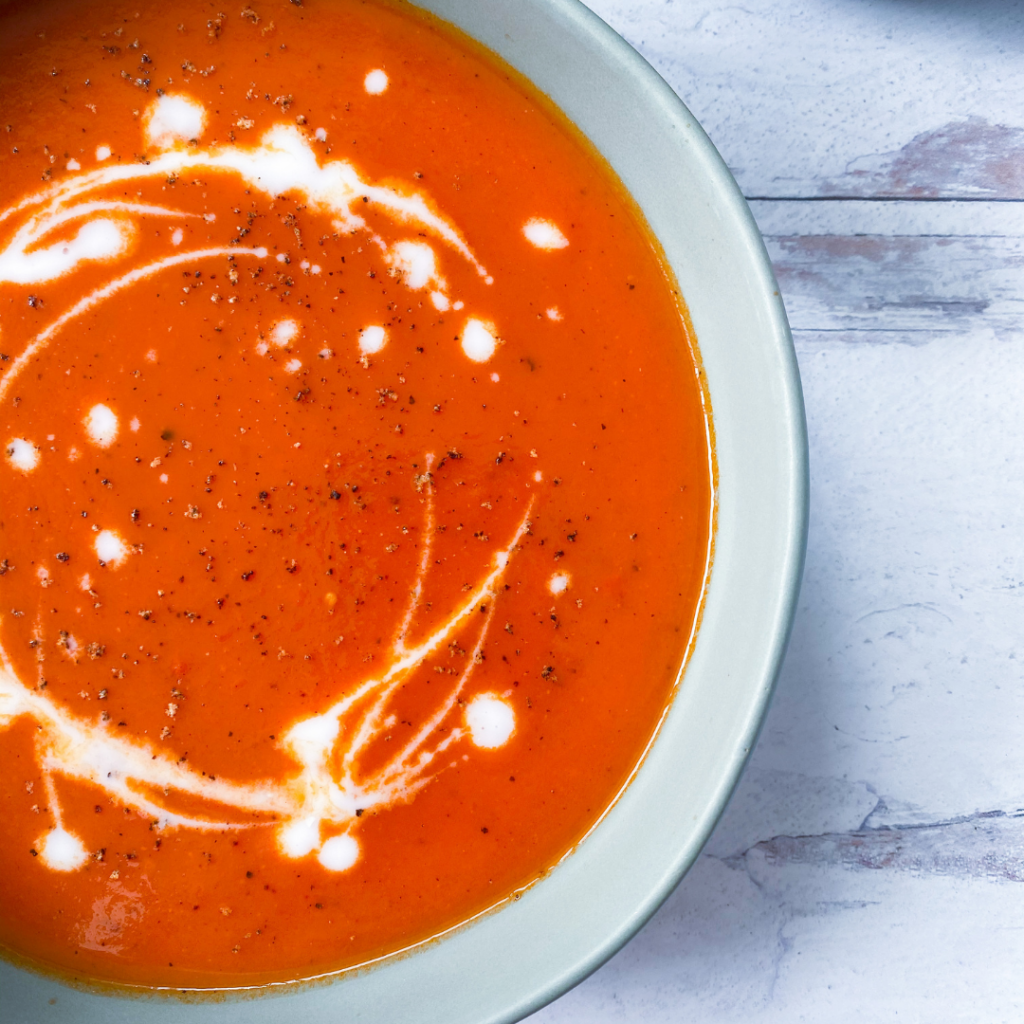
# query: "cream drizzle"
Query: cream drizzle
{"points": [[100, 294], [283, 161], [328, 790]]}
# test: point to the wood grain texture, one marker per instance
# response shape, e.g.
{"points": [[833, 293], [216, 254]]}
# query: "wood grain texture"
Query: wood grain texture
{"points": [[904, 288], [905, 98]]}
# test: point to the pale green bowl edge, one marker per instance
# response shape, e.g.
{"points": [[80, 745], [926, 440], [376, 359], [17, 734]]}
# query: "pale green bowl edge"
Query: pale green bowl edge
{"points": [[508, 964]]}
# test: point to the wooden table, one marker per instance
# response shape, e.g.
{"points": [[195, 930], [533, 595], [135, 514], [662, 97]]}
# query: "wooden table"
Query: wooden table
{"points": [[869, 867]]}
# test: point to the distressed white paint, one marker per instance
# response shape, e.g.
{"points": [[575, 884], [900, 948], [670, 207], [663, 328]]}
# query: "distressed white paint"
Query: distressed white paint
{"points": [[825, 98]]}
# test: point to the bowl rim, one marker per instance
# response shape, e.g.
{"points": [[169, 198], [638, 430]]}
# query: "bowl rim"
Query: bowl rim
{"points": [[513, 980]]}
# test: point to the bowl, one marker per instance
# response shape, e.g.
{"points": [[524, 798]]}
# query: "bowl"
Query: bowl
{"points": [[507, 964]]}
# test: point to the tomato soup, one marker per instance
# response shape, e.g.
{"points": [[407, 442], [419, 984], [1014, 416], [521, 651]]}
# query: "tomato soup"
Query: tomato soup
{"points": [[357, 491]]}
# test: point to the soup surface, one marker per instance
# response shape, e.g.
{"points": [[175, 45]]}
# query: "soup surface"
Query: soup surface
{"points": [[356, 491]]}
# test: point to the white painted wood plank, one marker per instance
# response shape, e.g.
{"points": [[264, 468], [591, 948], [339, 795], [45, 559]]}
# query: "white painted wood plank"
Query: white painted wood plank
{"points": [[905, 668], [846, 97], [794, 944], [922, 285], [900, 217], [903, 272]]}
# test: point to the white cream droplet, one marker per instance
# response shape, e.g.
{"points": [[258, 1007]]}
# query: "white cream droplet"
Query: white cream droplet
{"points": [[544, 234], [110, 548], [495, 378], [99, 239], [339, 853], [284, 332], [375, 82], [293, 366], [320, 134], [415, 261], [173, 118], [62, 851], [440, 300], [135, 424], [176, 236], [491, 721], [101, 425], [73, 165], [102, 152], [23, 454], [312, 739], [559, 583], [553, 313], [372, 339], [478, 341], [299, 838]]}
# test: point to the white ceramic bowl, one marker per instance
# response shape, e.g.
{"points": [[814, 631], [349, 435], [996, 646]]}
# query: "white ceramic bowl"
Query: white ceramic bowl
{"points": [[511, 962]]}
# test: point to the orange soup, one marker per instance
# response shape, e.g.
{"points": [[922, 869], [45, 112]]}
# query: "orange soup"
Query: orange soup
{"points": [[357, 490]]}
